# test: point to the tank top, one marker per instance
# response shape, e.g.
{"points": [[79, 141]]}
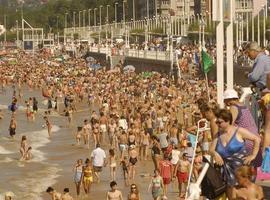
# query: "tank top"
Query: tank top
{"points": [[232, 147]]}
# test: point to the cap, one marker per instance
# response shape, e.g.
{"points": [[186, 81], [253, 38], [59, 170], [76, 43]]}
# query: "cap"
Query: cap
{"points": [[253, 46], [230, 94]]}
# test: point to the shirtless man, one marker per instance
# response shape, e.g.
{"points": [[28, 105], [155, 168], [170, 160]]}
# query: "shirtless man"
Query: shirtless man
{"points": [[174, 133], [103, 121], [122, 142], [114, 194], [86, 132], [182, 172], [66, 195]]}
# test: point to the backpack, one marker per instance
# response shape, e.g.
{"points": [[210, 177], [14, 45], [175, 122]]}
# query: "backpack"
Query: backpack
{"points": [[213, 184]]}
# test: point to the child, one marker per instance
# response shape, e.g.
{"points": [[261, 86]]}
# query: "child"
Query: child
{"points": [[124, 164], [246, 189], [78, 135], [112, 159]]}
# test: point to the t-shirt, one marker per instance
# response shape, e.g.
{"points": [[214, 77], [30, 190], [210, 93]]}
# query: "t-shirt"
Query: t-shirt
{"points": [[163, 140], [175, 156], [165, 168], [98, 156]]}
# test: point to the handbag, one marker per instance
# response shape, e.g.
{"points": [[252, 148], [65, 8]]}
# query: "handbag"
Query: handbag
{"points": [[213, 185]]}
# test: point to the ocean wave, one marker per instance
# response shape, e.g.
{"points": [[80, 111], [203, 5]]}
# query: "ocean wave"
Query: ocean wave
{"points": [[5, 151], [40, 139], [34, 184]]}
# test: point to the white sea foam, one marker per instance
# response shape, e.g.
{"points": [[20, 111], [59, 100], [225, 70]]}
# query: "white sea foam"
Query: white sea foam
{"points": [[6, 160], [5, 151], [37, 182], [40, 139]]}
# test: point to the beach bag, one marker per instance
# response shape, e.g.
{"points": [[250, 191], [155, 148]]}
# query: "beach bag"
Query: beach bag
{"points": [[213, 185]]}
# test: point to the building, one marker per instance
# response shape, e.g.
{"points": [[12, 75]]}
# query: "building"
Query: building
{"points": [[176, 7], [141, 8]]}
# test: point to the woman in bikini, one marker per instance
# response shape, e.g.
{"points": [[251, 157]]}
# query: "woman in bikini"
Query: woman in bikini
{"points": [[96, 133], [49, 126], [156, 185], [87, 176], [133, 158], [78, 169], [25, 149]]}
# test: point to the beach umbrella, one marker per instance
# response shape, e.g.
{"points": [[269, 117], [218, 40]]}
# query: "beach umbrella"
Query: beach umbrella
{"points": [[129, 68]]}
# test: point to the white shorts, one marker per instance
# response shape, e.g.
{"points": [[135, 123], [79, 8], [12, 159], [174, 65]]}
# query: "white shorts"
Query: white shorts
{"points": [[103, 128]]}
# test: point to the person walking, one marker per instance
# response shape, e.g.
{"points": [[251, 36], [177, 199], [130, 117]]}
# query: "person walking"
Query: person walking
{"points": [[98, 157]]}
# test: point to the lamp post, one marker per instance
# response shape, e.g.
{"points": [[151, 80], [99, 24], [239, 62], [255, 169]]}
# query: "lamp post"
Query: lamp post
{"points": [[57, 29], [146, 34], [84, 18], [17, 32], [89, 17], [124, 13], [147, 9], [259, 33], [100, 7], [107, 13], [133, 11], [115, 13], [74, 20], [80, 20], [66, 14], [95, 17], [5, 24], [264, 25]]}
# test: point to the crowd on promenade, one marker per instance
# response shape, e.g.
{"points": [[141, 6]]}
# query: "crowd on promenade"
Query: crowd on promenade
{"points": [[148, 116]]}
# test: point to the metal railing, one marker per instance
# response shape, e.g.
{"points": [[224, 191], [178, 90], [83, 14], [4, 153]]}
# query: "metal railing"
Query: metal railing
{"points": [[136, 53]]}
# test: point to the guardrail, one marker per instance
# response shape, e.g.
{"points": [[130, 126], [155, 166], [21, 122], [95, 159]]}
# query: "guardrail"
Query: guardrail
{"points": [[146, 54]]}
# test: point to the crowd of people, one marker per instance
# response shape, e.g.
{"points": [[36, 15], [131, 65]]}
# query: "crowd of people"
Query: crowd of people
{"points": [[136, 117]]}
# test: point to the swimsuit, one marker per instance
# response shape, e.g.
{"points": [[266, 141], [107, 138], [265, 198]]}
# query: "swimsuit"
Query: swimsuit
{"points": [[88, 178], [12, 131], [78, 175], [156, 189], [133, 160]]}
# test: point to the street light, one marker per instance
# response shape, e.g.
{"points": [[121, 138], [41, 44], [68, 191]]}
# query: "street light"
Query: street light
{"points": [[74, 21], [264, 25], [95, 16], [107, 21], [124, 13], [147, 9], [133, 10], [80, 19], [5, 24], [115, 12], [100, 7], [66, 14], [89, 17], [84, 18]]}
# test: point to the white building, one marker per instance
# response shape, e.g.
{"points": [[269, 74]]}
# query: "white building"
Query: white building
{"points": [[175, 7]]}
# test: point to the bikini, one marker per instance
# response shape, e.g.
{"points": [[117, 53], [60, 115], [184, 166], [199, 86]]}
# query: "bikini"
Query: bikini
{"points": [[88, 178], [133, 161]]}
